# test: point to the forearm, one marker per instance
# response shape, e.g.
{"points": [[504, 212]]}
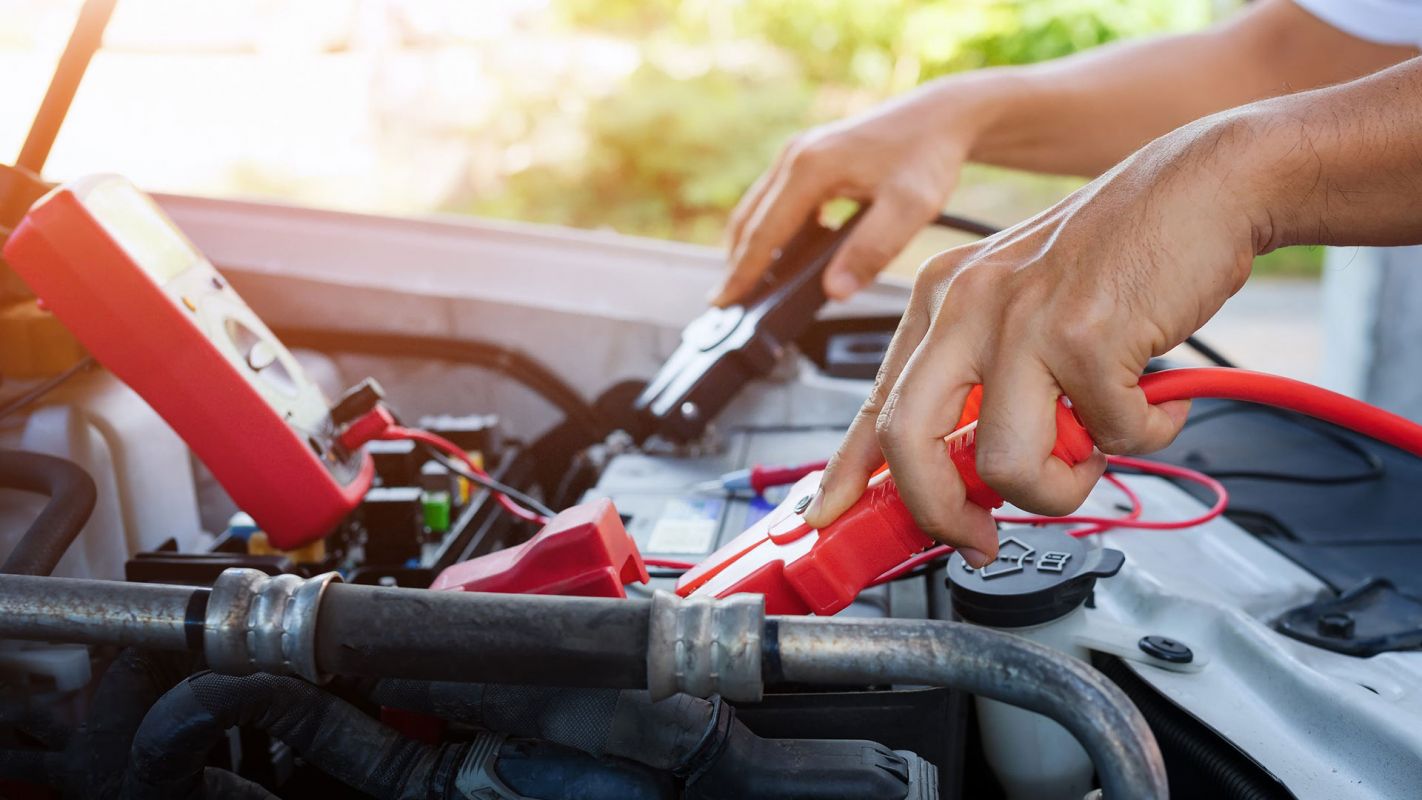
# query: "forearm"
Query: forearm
{"points": [[1080, 115], [1335, 166]]}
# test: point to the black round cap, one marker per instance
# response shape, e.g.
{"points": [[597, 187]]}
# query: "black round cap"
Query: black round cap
{"points": [[1039, 576]]}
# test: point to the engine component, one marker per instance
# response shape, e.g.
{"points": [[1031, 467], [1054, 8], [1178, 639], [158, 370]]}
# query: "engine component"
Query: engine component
{"points": [[170, 748], [394, 521], [672, 518], [725, 347], [476, 433], [396, 462], [584, 551], [1013, 670], [1371, 618], [111, 266], [1038, 578], [700, 740], [612, 643], [71, 495]]}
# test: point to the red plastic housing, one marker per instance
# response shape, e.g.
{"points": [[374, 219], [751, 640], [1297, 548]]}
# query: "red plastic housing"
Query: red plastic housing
{"points": [[584, 551], [804, 571], [115, 270]]}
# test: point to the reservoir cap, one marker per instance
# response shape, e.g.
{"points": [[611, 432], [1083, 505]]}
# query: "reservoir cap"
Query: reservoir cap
{"points": [[1038, 576]]}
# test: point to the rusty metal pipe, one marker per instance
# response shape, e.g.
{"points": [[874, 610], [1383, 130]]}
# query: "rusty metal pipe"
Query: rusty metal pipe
{"points": [[101, 612], [986, 663]]}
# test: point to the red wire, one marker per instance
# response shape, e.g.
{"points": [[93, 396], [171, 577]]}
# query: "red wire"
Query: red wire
{"points": [[1149, 468], [1273, 390], [667, 563], [1136, 508], [437, 441], [1095, 525], [1226, 384]]}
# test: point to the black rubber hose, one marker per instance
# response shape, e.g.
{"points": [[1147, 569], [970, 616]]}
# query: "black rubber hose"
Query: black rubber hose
{"points": [[603, 722], [38, 767], [171, 748], [543, 640], [97, 753], [694, 738], [71, 495]]}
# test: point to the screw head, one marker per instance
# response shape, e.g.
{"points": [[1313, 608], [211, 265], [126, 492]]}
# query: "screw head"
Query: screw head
{"points": [[1336, 625], [1166, 649]]}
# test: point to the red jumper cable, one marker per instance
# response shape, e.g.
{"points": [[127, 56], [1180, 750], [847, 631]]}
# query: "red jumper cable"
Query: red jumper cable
{"points": [[801, 570]]}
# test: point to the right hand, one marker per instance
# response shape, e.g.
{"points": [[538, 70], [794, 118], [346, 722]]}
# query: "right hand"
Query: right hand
{"points": [[903, 157]]}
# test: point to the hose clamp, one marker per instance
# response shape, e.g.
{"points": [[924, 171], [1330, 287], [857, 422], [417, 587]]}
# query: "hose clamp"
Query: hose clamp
{"points": [[261, 623], [703, 646]]}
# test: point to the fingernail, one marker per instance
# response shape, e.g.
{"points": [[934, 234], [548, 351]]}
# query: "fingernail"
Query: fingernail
{"points": [[976, 559], [816, 503], [840, 285]]}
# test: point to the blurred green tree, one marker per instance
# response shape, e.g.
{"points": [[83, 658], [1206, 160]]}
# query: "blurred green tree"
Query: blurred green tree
{"points": [[723, 84]]}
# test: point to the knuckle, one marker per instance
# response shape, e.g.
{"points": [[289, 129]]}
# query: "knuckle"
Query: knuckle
{"points": [[1114, 426], [1002, 468], [938, 528], [889, 430], [810, 152], [936, 269], [976, 280], [1115, 438], [1057, 505], [916, 198]]}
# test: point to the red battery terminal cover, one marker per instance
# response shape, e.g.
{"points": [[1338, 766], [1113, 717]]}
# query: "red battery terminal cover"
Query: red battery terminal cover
{"points": [[802, 571], [584, 551]]}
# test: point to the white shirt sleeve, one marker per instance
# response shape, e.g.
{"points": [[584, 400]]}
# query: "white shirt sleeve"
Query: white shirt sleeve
{"points": [[1382, 21]]}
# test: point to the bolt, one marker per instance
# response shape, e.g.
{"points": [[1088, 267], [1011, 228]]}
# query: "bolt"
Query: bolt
{"points": [[1336, 625], [1166, 649]]}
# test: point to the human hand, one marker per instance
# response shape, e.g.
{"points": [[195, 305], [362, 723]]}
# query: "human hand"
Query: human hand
{"points": [[1074, 301], [903, 157]]}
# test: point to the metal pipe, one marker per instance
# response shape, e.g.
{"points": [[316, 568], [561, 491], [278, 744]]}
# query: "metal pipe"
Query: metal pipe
{"points": [[986, 663], [283, 624], [71, 496], [101, 612]]}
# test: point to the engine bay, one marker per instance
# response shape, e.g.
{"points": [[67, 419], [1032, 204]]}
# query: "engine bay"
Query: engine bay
{"points": [[299, 503], [1192, 625]]}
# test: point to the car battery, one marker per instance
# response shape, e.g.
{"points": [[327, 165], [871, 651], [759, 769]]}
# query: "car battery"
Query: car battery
{"points": [[669, 518]]}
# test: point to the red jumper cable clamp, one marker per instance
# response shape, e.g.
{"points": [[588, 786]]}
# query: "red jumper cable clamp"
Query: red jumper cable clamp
{"points": [[801, 570], [584, 551]]}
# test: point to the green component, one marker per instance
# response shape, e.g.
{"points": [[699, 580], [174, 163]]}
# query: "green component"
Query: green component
{"points": [[437, 508]]}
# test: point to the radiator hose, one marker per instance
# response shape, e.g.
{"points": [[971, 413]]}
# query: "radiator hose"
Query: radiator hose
{"points": [[171, 747], [698, 740], [71, 495]]}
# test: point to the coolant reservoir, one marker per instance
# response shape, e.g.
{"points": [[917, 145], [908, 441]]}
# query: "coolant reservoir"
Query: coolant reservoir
{"points": [[1035, 589], [142, 470]]}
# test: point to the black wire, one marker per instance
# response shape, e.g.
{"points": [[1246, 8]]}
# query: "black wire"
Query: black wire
{"points": [[488, 483], [497, 358], [21, 401], [957, 223], [1211, 354]]}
